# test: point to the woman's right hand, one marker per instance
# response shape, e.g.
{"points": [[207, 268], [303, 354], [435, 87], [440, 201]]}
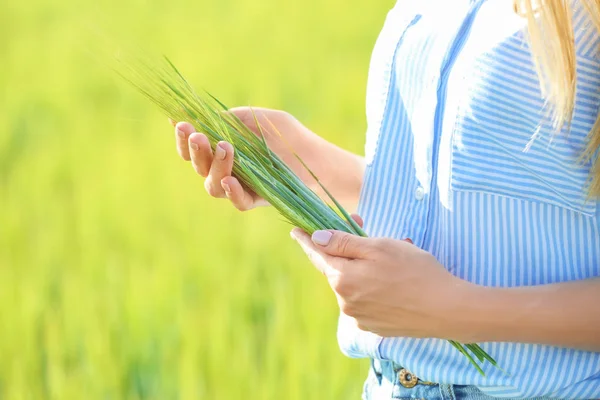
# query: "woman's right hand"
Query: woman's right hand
{"points": [[216, 167]]}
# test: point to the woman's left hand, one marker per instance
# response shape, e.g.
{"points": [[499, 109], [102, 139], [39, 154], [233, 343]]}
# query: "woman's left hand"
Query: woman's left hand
{"points": [[390, 287]]}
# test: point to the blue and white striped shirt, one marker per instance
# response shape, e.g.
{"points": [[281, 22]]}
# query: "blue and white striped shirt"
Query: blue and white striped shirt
{"points": [[462, 159]]}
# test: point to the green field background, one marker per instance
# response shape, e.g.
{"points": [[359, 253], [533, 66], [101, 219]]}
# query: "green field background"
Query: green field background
{"points": [[119, 277]]}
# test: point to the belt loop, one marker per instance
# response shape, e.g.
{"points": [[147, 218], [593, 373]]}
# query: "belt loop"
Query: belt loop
{"points": [[376, 369], [447, 392]]}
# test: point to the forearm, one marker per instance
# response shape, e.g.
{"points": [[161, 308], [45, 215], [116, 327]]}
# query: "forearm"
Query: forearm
{"points": [[340, 171], [344, 177], [563, 314]]}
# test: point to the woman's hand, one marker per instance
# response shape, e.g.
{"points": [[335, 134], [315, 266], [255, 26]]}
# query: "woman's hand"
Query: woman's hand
{"points": [[216, 167], [326, 160], [394, 289], [390, 287]]}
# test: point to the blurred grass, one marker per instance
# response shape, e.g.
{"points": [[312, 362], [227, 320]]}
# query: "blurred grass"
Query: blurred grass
{"points": [[119, 277]]}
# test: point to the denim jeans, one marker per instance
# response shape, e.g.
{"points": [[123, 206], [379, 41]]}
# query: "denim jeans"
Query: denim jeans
{"points": [[383, 383]]}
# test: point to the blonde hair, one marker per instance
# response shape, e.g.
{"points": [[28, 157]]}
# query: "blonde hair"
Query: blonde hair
{"points": [[552, 41]]}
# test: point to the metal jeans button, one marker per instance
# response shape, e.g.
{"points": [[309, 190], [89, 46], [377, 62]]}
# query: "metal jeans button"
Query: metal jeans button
{"points": [[407, 379]]}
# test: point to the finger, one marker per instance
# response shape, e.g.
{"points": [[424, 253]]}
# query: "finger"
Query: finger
{"points": [[200, 153], [222, 165], [341, 244], [182, 131], [322, 261], [362, 326], [241, 199], [358, 220]]}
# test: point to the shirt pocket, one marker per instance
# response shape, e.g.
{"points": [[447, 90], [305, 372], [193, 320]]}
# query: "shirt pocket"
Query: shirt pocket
{"points": [[502, 141]]}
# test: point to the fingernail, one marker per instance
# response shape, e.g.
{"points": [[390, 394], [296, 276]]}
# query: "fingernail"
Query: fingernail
{"points": [[225, 187], [322, 238], [194, 146], [181, 134], [220, 152]]}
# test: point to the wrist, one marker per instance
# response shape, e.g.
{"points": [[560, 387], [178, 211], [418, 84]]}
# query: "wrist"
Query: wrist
{"points": [[489, 312], [472, 315]]}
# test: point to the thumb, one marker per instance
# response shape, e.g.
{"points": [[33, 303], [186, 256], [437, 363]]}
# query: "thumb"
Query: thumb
{"points": [[340, 244]]}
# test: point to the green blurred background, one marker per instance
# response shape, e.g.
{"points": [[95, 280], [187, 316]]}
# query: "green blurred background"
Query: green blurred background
{"points": [[119, 277]]}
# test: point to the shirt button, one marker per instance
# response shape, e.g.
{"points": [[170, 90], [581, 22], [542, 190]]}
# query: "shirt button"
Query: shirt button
{"points": [[419, 193]]}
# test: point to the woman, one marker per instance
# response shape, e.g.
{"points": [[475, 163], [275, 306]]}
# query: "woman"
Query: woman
{"points": [[480, 190]]}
